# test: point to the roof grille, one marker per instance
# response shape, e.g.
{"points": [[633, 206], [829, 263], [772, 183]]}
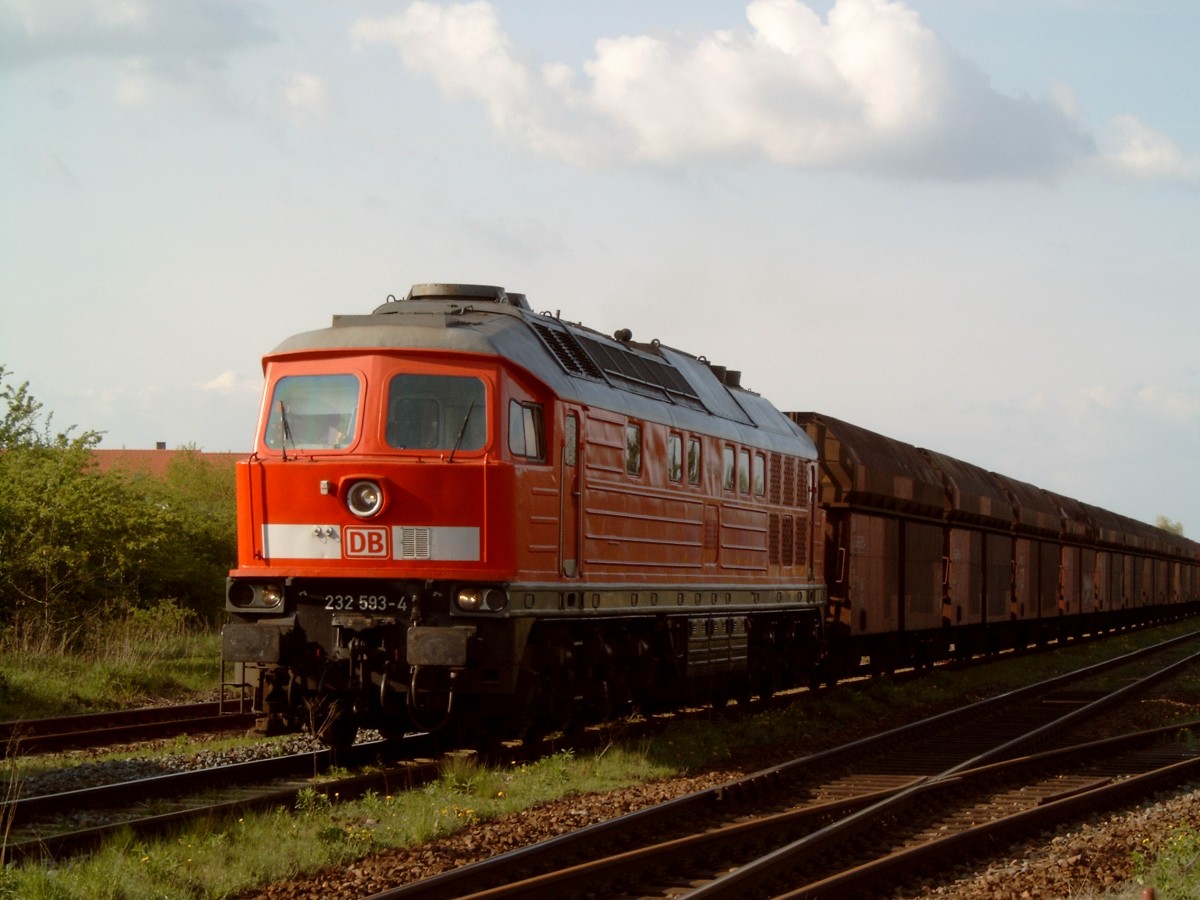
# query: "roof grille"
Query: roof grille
{"points": [[567, 350], [620, 366], [641, 374]]}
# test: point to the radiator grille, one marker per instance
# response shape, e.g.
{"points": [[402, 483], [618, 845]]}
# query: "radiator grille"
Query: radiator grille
{"points": [[414, 543]]}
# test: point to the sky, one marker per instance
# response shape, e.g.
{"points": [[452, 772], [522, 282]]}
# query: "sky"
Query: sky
{"points": [[972, 225]]}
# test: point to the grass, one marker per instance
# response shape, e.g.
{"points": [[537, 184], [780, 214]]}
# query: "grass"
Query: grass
{"points": [[220, 859], [148, 656], [1172, 871]]}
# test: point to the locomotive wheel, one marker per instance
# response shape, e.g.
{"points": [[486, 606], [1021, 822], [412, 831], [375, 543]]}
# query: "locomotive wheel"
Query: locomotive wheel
{"points": [[764, 683], [821, 673], [393, 731], [540, 709], [742, 691], [882, 663]]}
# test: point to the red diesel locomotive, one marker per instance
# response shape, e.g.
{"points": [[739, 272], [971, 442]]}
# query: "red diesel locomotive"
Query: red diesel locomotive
{"points": [[464, 515], [460, 511]]}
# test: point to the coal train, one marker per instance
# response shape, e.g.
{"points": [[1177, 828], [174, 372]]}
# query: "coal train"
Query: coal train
{"points": [[464, 516]]}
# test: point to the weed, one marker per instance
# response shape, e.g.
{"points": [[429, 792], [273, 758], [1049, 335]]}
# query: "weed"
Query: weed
{"points": [[311, 802], [1172, 870]]}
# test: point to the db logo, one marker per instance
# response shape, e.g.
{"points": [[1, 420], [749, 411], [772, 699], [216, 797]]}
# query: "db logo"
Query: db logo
{"points": [[360, 542]]}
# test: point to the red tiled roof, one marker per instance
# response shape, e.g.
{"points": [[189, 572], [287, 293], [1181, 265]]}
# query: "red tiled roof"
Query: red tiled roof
{"points": [[154, 462]]}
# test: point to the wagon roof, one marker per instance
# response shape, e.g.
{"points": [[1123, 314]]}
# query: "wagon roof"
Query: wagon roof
{"points": [[860, 467]]}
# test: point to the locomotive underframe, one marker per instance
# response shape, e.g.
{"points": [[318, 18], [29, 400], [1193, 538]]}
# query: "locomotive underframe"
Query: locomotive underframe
{"points": [[555, 659]]}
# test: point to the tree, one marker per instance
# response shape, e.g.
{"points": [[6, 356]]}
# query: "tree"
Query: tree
{"points": [[22, 426], [1167, 525], [198, 499], [77, 543], [55, 521]]}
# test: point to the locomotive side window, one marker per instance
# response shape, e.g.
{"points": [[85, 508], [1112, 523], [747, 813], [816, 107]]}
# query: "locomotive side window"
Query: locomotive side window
{"points": [[727, 468], [436, 412], [633, 448], [674, 457], [526, 431], [693, 460], [760, 475], [312, 412], [744, 471]]}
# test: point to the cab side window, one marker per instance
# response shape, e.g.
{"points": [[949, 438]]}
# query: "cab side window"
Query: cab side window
{"points": [[674, 457], [693, 461], [526, 430], [633, 448]]}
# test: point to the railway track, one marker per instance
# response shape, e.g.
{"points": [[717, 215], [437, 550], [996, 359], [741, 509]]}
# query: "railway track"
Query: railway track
{"points": [[26, 737], [60, 824], [30, 736], [843, 821], [999, 802]]}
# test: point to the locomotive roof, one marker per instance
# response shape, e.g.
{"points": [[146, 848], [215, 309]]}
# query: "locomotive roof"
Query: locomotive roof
{"points": [[649, 381]]}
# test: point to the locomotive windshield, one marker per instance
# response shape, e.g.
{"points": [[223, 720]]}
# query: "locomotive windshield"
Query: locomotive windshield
{"points": [[313, 412], [436, 412]]}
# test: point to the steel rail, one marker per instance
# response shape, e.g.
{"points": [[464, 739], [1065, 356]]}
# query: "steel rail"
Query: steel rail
{"points": [[581, 877], [1106, 794], [459, 882], [29, 736], [301, 767], [769, 865]]}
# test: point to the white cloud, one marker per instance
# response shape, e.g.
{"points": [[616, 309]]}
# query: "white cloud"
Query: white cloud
{"points": [[228, 383], [869, 88], [134, 85], [307, 98], [175, 37], [1084, 403], [1170, 404], [462, 46], [1131, 148], [1102, 421]]}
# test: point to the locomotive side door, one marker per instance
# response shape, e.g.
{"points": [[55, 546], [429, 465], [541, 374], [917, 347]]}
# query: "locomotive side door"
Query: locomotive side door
{"points": [[570, 502]]}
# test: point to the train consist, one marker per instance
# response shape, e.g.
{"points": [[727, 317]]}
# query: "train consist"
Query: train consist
{"points": [[464, 515]]}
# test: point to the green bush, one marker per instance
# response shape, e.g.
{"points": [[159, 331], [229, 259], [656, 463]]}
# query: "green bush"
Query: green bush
{"points": [[197, 506], [81, 546]]}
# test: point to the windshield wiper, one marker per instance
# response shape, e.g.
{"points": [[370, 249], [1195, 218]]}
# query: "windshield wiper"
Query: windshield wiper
{"points": [[287, 431], [461, 431]]}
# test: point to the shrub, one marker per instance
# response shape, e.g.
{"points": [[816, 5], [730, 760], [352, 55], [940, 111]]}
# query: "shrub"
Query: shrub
{"points": [[81, 546]]}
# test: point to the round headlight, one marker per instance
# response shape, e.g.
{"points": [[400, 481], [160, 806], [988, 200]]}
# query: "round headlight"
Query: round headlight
{"points": [[468, 599], [271, 595], [481, 599], [364, 499]]}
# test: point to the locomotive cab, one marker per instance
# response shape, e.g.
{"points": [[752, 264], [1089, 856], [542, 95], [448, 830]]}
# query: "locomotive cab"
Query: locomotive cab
{"points": [[375, 549]]}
